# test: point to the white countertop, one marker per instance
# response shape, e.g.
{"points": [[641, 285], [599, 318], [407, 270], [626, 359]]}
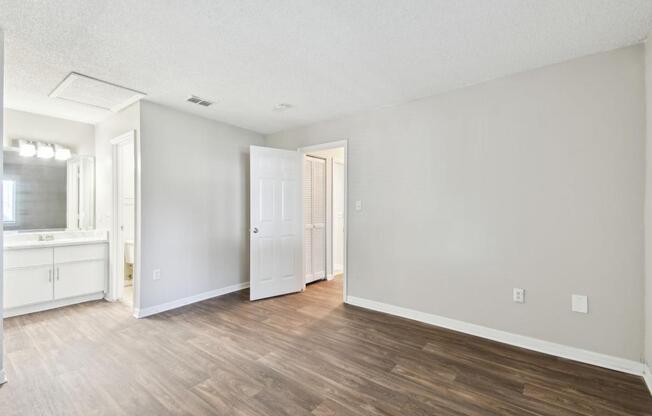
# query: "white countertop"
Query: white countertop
{"points": [[14, 241], [54, 243]]}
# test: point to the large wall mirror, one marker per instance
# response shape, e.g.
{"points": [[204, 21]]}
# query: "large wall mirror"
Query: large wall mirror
{"points": [[48, 194]]}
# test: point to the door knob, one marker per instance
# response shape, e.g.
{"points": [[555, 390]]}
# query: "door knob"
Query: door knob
{"points": [[255, 230]]}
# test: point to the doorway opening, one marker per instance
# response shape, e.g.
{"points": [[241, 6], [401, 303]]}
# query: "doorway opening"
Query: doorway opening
{"points": [[287, 250], [324, 213], [124, 236]]}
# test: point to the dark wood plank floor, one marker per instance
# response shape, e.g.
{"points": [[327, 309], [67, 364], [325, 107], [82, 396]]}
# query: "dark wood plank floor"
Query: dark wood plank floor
{"points": [[304, 354]]}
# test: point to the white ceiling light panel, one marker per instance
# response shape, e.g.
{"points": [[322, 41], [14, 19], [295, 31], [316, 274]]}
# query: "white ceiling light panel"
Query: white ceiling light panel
{"points": [[97, 93]]}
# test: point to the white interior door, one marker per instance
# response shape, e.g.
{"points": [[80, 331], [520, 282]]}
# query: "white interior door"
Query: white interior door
{"points": [[338, 217], [275, 219]]}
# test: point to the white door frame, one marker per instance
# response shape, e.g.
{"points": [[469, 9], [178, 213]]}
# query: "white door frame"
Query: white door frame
{"points": [[326, 146], [116, 280]]}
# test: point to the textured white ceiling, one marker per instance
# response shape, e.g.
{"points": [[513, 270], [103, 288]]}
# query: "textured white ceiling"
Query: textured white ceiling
{"points": [[325, 57]]}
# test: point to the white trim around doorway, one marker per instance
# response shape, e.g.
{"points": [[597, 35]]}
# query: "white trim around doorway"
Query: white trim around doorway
{"points": [[115, 279], [326, 146]]}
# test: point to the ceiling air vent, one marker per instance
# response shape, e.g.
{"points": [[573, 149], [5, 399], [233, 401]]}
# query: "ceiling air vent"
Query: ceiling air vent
{"points": [[95, 92], [200, 101]]}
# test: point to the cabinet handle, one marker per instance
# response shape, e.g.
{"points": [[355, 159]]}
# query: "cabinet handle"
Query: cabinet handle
{"points": [[57, 273], [50, 275]]}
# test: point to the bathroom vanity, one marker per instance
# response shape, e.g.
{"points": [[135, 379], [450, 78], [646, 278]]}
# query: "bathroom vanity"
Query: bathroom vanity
{"points": [[49, 270]]}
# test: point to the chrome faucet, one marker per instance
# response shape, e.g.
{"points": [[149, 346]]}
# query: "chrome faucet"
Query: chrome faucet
{"points": [[45, 237]]}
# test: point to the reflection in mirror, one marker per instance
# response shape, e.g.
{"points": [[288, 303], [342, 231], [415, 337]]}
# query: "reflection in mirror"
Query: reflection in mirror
{"points": [[47, 194], [35, 193], [81, 193]]}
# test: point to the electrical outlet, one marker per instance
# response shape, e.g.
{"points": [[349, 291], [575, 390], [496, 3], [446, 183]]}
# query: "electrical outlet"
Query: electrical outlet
{"points": [[358, 205], [519, 295], [580, 303], [156, 274]]}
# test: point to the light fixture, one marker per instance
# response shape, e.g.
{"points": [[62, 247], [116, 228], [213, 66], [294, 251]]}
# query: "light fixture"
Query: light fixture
{"points": [[26, 148], [61, 153], [44, 150], [282, 107]]}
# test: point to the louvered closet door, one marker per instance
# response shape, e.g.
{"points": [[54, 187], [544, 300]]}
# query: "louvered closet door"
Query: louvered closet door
{"points": [[307, 218], [318, 218], [314, 208]]}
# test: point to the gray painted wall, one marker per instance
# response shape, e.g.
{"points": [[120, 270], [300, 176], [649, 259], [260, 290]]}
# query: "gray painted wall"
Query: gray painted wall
{"points": [[195, 204], [534, 181], [40, 192], [79, 137]]}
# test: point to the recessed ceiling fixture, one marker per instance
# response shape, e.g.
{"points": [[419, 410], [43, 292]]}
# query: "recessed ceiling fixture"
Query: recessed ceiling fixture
{"points": [[200, 101], [282, 107], [95, 92]]}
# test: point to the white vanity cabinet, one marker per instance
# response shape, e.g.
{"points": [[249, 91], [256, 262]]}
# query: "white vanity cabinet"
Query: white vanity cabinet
{"points": [[27, 277], [79, 270], [43, 278]]}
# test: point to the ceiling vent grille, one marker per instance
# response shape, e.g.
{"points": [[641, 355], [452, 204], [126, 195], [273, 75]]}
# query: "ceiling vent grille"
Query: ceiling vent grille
{"points": [[199, 101]]}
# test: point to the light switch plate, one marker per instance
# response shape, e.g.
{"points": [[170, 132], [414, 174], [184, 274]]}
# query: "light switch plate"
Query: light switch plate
{"points": [[156, 274], [358, 205], [580, 303], [519, 295]]}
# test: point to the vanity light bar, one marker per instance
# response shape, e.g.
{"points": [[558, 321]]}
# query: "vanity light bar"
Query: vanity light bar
{"points": [[61, 153], [28, 148], [44, 150]]}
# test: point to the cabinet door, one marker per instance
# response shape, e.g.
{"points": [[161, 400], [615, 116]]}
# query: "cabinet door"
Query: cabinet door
{"points": [[79, 278], [26, 286]]}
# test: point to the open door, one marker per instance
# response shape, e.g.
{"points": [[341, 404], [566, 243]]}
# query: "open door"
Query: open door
{"points": [[275, 222]]}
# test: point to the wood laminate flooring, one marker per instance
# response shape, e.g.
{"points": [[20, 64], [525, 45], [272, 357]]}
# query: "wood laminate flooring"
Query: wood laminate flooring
{"points": [[302, 354]]}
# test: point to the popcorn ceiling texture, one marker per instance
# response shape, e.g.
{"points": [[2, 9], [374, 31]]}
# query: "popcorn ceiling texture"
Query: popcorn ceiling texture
{"points": [[326, 58]]}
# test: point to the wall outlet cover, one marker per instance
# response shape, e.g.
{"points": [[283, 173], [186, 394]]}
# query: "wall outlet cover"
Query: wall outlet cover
{"points": [[580, 304], [156, 274], [519, 295]]}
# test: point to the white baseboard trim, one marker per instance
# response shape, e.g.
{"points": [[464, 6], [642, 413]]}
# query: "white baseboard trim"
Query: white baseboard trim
{"points": [[3, 377], [40, 307], [546, 347], [647, 376], [330, 276], [153, 310]]}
